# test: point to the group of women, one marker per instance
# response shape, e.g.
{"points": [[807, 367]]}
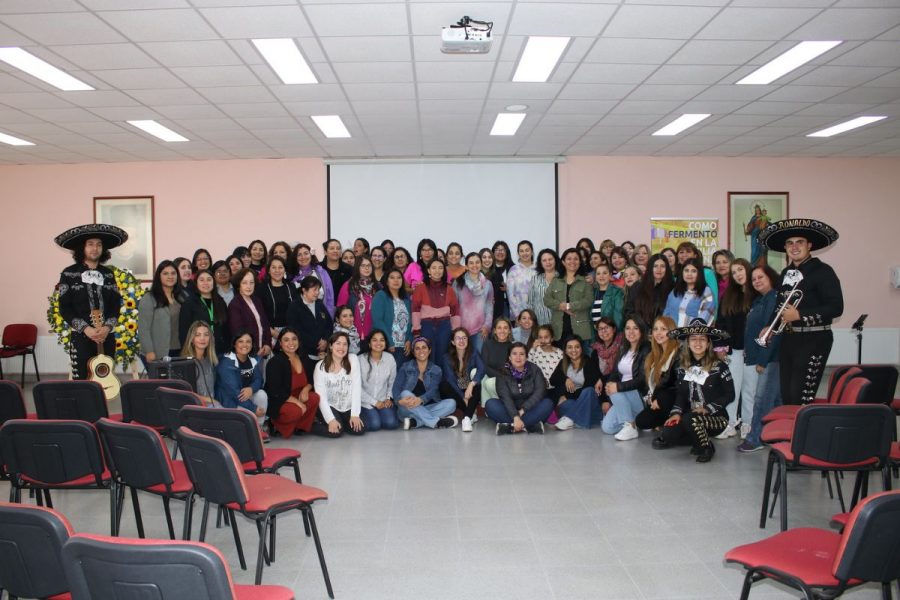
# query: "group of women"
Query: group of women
{"points": [[372, 338]]}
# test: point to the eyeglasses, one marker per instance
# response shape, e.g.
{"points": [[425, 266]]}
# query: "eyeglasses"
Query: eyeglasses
{"points": [[461, 338], [604, 328]]}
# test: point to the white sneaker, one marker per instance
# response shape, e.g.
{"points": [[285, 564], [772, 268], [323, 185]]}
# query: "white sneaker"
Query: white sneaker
{"points": [[628, 432], [745, 431], [728, 432], [474, 418], [467, 424], [564, 424]]}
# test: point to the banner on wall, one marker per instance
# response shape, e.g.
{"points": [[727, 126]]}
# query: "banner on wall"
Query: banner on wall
{"points": [[669, 232]]}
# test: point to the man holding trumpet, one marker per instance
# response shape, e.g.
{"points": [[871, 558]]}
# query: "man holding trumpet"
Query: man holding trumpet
{"points": [[806, 316]]}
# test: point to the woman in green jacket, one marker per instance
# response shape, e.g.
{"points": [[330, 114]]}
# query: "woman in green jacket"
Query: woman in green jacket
{"points": [[569, 299], [609, 300]]}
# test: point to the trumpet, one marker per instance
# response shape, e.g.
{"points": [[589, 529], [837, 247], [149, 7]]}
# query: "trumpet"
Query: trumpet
{"points": [[792, 298]]}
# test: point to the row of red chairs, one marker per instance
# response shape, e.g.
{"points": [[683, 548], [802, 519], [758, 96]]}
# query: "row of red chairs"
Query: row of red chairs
{"points": [[221, 448], [41, 556]]}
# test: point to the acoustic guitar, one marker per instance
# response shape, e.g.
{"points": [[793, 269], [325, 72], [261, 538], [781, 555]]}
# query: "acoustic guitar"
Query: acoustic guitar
{"points": [[100, 367]]}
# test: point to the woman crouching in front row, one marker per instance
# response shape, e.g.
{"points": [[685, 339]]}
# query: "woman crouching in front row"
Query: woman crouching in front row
{"points": [[705, 388], [524, 403]]}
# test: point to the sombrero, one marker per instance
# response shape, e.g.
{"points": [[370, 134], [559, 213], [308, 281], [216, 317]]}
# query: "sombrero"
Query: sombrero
{"points": [[819, 234], [699, 327], [110, 235]]}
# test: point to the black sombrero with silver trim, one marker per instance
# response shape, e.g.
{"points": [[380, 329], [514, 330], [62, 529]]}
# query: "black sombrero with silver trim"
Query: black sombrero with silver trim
{"points": [[110, 235], [699, 327], [820, 235]]}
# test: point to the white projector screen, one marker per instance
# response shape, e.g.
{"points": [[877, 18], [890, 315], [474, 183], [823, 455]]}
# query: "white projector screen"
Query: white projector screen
{"points": [[474, 204]]}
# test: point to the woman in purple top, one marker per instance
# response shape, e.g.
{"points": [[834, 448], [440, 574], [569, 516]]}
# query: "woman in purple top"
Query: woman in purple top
{"points": [[306, 264]]}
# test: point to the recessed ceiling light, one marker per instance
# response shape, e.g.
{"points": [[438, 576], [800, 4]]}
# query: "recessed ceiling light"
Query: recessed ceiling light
{"points": [[157, 130], [799, 55], [516, 107], [331, 126], [681, 123], [507, 123], [44, 71], [14, 141], [285, 59], [539, 58], [845, 126]]}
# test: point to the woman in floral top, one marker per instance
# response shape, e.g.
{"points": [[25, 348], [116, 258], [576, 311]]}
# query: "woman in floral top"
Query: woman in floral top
{"points": [[518, 280]]}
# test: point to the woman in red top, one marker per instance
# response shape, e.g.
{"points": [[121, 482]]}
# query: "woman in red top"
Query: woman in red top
{"points": [[292, 403], [435, 310]]}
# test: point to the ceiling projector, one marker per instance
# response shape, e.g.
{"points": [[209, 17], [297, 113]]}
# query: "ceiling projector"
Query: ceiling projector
{"points": [[468, 36]]}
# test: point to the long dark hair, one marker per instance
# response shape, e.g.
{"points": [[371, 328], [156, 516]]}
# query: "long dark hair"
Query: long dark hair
{"points": [[443, 282], [566, 361], [589, 242], [422, 243], [265, 251], [459, 368], [281, 333], [156, 288], [220, 309], [401, 293], [328, 361], [557, 265], [365, 244], [353, 286], [313, 260], [197, 254], [409, 259], [508, 263], [368, 353], [699, 286], [651, 296], [78, 254]]}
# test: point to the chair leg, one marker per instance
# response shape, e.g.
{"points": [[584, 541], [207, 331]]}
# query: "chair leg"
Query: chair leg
{"points": [[47, 499], [188, 517], [168, 512], [272, 540], [113, 509], [137, 512], [840, 491], [202, 537], [36, 373], [782, 468], [237, 540], [259, 530], [23, 371], [297, 471], [260, 554], [886, 591], [315, 532], [39, 498], [120, 505], [828, 481], [748, 581], [767, 486], [777, 490]]}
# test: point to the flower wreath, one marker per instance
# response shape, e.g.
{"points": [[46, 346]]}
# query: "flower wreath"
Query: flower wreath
{"points": [[127, 344]]}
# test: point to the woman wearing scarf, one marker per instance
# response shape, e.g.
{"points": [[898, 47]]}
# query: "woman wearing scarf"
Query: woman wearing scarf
{"points": [[307, 265], [476, 301], [358, 292], [524, 402]]}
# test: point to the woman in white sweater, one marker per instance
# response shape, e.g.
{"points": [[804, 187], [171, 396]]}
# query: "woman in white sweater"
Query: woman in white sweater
{"points": [[338, 382]]}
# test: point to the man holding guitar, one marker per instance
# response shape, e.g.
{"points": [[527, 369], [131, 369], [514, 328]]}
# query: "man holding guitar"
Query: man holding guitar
{"points": [[89, 299]]}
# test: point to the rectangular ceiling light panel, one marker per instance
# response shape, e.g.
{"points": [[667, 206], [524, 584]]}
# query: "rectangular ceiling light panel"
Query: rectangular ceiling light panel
{"points": [[14, 141], [43, 70], [681, 123], [797, 56], [160, 131], [331, 126], [507, 123], [845, 126], [286, 60], [539, 59]]}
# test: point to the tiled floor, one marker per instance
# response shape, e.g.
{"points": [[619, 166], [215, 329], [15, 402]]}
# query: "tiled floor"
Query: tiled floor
{"points": [[442, 514]]}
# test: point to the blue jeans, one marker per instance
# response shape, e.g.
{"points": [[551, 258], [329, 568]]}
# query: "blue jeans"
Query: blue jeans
{"points": [[379, 418], [399, 357], [496, 411], [625, 407], [439, 334], [426, 414], [583, 410], [768, 396], [476, 341]]}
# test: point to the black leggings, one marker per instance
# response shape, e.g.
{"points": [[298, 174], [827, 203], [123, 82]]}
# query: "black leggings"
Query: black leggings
{"points": [[695, 427], [320, 427], [803, 357], [448, 391]]}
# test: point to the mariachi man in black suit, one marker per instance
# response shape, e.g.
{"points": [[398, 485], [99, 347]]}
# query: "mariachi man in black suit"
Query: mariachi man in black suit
{"points": [[807, 334], [88, 286]]}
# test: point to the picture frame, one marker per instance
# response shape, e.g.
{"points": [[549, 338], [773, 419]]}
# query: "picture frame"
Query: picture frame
{"points": [[748, 214], [135, 215]]}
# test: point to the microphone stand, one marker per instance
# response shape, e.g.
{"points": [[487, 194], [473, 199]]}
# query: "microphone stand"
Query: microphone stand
{"points": [[858, 328]]}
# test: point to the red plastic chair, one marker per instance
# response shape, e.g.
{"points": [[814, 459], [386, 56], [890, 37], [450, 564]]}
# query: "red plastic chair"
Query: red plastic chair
{"points": [[19, 339], [824, 564], [46, 455], [855, 391], [839, 378], [832, 438], [140, 403], [218, 478], [31, 542], [100, 567], [139, 460], [77, 399]]}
